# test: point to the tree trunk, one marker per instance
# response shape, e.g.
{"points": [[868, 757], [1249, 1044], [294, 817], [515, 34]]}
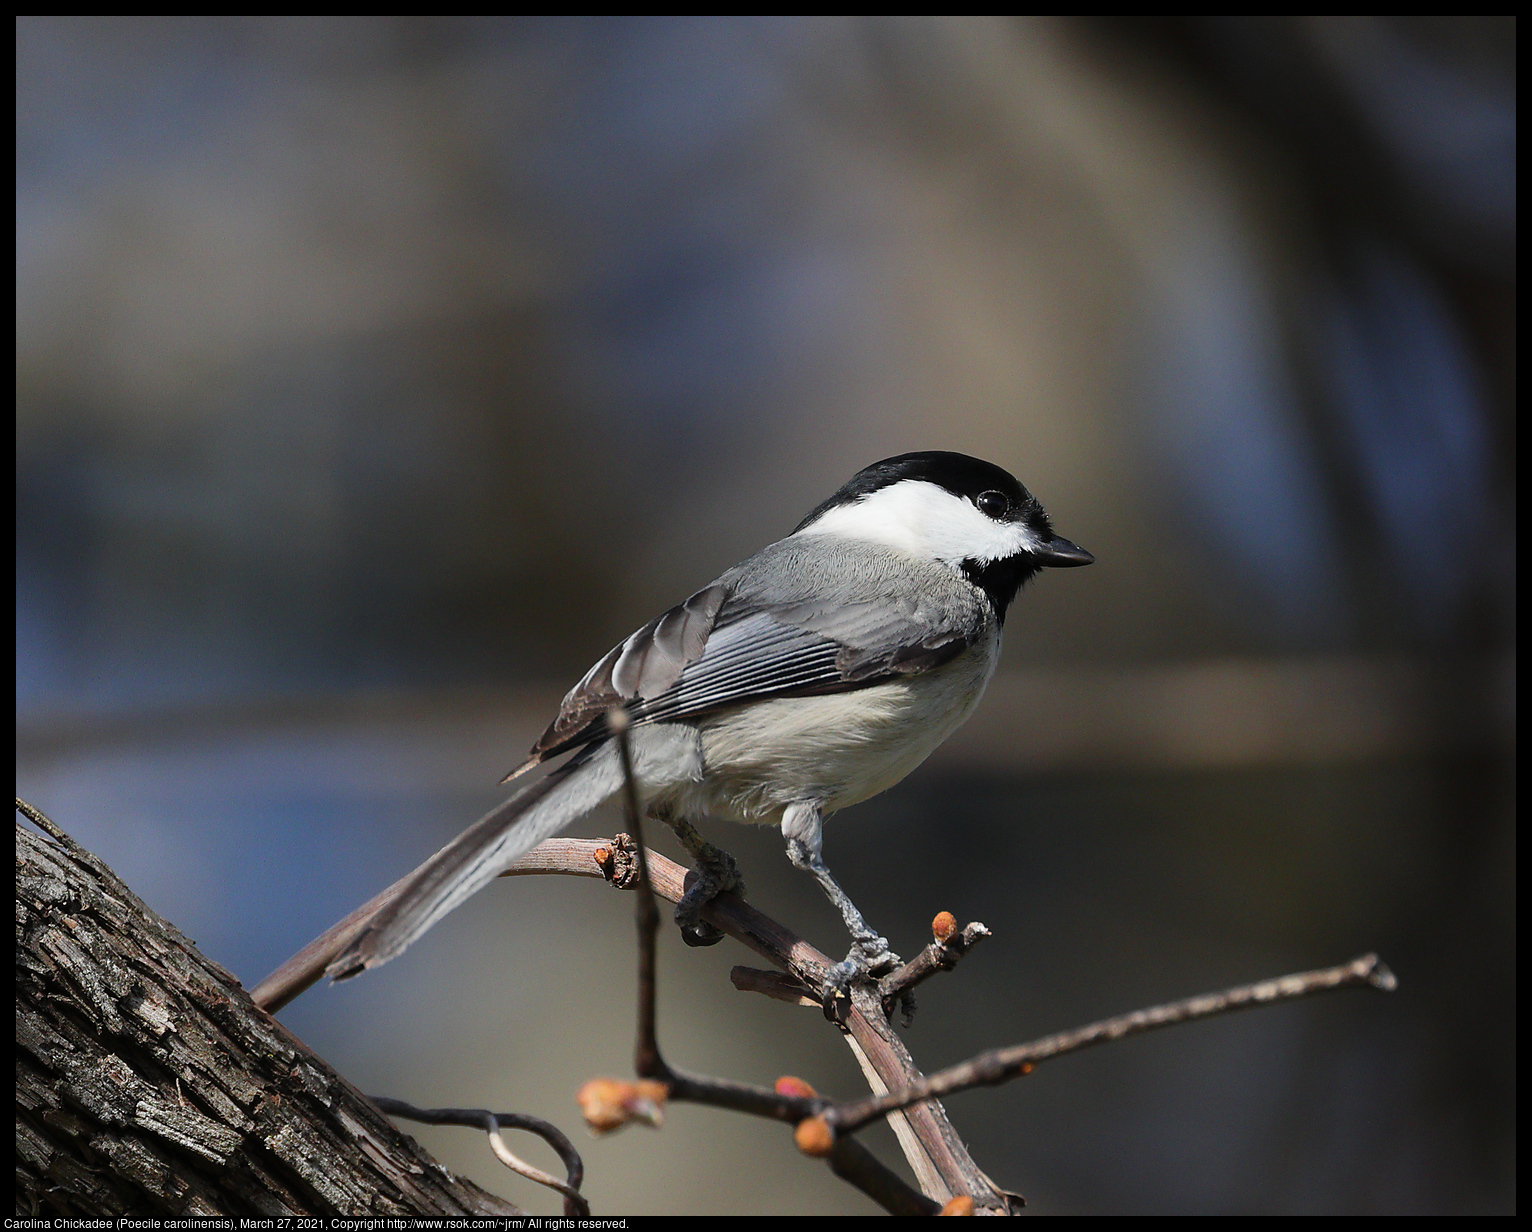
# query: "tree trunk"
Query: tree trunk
{"points": [[149, 1083]]}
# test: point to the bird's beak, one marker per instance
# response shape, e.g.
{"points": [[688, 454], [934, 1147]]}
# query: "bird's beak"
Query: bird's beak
{"points": [[1061, 554]]}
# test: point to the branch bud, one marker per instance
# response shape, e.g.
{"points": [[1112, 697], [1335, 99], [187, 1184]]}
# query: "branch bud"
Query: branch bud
{"points": [[814, 1136], [944, 926], [960, 1205], [608, 1104], [794, 1087]]}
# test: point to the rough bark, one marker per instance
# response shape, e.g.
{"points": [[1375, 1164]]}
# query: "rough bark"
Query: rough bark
{"points": [[148, 1082]]}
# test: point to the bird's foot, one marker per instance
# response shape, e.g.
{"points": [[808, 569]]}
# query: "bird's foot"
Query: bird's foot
{"points": [[870, 958], [716, 873]]}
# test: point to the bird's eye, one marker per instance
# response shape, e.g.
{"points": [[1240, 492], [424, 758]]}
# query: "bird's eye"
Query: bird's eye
{"points": [[992, 504]]}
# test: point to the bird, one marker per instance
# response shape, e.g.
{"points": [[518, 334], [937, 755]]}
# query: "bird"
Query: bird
{"points": [[809, 677]]}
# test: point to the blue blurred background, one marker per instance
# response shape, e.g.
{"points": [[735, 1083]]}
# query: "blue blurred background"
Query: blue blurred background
{"points": [[376, 374]]}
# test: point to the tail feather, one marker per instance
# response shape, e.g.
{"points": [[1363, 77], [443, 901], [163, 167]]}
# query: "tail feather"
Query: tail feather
{"points": [[478, 855], [522, 769]]}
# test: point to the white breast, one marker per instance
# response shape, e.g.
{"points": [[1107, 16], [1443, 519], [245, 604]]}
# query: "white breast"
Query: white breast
{"points": [[835, 749]]}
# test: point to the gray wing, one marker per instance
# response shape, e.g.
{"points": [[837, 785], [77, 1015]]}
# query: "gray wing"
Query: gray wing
{"points": [[871, 615]]}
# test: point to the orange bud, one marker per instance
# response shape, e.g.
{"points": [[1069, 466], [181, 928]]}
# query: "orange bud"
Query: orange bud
{"points": [[608, 1104], [1026, 1068], [960, 1205], [600, 1102], [814, 1136], [944, 926], [795, 1087], [602, 856]]}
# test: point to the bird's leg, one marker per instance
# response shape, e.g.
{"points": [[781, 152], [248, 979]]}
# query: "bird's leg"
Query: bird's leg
{"points": [[870, 955], [716, 872]]}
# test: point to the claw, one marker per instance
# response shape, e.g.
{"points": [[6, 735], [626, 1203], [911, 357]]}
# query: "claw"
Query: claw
{"points": [[700, 933], [842, 974], [870, 957], [716, 872], [837, 996], [881, 961]]}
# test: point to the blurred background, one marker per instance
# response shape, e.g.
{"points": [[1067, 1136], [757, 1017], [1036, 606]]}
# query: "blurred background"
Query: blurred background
{"points": [[376, 374]]}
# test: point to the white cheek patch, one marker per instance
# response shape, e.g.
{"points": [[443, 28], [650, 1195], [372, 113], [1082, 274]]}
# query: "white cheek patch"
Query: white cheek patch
{"points": [[926, 520]]}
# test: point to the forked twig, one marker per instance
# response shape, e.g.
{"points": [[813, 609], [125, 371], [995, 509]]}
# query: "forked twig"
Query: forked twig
{"points": [[948, 947], [575, 1204]]}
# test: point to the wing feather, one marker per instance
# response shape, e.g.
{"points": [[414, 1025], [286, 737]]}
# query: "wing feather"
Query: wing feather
{"points": [[730, 642]]}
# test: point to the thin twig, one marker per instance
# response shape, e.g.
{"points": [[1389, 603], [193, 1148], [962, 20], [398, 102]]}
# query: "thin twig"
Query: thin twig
{"points": [[1002, 1064], [777, 985], [884, 1186], [945, 951], [647, 1061], [42, 821], [575, 1204]]}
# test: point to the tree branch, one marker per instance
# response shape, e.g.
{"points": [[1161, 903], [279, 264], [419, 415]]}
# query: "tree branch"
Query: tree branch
{"points": [[149, 1083], [1003, 1064]]}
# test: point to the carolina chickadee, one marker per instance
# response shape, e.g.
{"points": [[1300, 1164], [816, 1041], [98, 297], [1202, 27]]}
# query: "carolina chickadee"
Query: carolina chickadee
{"points": [[815, 674]]}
